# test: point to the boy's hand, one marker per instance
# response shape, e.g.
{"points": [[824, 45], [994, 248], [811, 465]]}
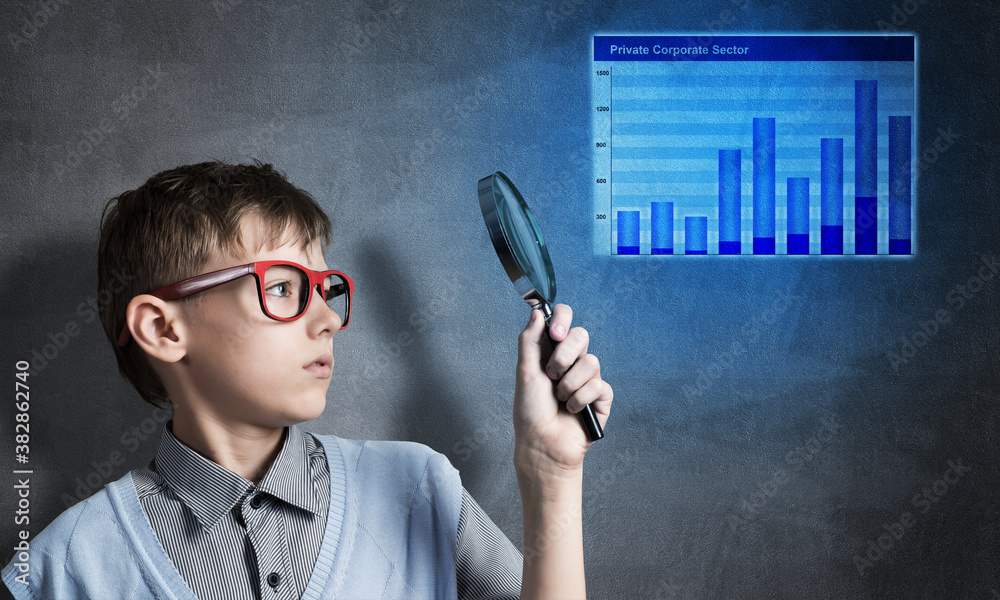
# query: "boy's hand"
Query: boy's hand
{"points": [[552, 386]]}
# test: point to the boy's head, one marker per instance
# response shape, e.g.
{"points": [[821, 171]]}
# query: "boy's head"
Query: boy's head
{"points": [[185, 222]]}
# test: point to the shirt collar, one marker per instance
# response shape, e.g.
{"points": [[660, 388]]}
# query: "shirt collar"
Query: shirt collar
{"points": [[210, 490]]}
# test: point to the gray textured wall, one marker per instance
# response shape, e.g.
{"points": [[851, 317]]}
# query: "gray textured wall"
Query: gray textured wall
{"points": [[389, 112]]}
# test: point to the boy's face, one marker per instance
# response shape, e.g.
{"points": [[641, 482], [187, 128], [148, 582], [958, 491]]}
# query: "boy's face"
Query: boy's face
{"points": [[244, 367]]}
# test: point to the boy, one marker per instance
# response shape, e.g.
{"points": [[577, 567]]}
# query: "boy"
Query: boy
{"points": [[230, 319]]}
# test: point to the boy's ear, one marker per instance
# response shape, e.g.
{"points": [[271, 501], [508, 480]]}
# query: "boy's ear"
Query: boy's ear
{"points": [[157, 327]]}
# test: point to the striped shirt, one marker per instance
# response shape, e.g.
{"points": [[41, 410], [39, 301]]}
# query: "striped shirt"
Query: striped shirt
{"points": [[230, 539]]}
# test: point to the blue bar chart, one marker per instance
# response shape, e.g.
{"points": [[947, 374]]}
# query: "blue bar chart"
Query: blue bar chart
{"points": [[754, 145]]}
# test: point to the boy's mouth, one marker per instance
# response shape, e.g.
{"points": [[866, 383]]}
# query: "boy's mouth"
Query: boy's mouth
{"points": [[322, 366]]}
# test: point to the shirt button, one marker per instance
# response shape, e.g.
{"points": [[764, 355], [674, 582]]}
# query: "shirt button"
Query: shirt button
{"points": [[273, 579], [255, 502]]}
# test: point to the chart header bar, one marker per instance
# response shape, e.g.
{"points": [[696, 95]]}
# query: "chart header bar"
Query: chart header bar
{"points": [[754, 48]]}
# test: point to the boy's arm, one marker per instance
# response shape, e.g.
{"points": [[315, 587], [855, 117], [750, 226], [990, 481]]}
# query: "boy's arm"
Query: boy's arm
{"points": [[550, 444]]}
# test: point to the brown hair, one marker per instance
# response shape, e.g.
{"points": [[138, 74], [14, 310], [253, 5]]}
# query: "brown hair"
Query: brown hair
{"points": [[171, 226]]}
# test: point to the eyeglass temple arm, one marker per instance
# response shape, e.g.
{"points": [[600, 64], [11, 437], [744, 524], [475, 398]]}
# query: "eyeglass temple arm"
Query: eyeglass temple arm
{"points": [[193, 285]]}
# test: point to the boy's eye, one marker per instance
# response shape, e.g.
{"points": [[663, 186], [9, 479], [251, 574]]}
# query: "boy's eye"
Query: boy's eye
{"points": [[281, 289]]}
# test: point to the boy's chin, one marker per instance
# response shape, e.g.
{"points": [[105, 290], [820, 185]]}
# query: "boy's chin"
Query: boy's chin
{"points": [[309, 410]]}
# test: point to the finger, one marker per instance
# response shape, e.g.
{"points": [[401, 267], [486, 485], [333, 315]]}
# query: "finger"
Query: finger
{"points": [[529, 349], [587, 367], [568, 352], [598, 394], [559, 324]]}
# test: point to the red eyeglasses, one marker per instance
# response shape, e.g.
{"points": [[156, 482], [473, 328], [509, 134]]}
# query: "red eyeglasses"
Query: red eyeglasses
{"points": [[284, 289]]}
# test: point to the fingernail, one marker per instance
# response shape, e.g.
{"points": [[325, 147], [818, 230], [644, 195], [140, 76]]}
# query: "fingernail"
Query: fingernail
{"points": [[559, 329], [552, 373]]}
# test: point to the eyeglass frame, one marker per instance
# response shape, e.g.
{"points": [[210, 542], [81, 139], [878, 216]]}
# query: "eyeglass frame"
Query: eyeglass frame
{"points": [[205, 281]]}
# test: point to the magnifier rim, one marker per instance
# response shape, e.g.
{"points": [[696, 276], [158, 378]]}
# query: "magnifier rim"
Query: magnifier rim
{"points": [[518, 275]]}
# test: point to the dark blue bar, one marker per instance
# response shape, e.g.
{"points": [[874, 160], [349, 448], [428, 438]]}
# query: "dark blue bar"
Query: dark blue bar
{"points": [[831, 181], [899, 247], [763, 179], [865, 225], [662, 251], [831, 240], [695, 235], [763, 245], [798, 243], [754, 48], [628, 232], [730, 248], [899, 183], [730, 218], [661, 227]]}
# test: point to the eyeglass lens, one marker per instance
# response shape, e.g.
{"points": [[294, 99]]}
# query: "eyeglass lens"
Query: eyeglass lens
{"points": [[286, 292]]}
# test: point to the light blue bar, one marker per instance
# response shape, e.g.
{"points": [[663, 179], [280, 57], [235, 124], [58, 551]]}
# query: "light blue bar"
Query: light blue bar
{"points": [[831, 181], [661, 226], [899, 177], [695, 235], [729, 196], [763, 177], [628, 232], [798, 205], [866, 138]]}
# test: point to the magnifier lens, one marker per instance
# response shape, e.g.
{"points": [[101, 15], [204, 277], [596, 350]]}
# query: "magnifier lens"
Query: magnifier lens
{"points": [[521, 250], [525, 238]]}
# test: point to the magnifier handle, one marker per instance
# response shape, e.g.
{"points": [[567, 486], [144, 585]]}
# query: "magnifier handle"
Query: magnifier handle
{"points": [[587, 417]]}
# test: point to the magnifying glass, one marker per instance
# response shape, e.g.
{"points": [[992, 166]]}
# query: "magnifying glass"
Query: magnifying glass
{"points": [[522, 252]]}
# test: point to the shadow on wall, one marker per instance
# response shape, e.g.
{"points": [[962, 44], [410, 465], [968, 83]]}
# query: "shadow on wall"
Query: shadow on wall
{"points": [[432, 412], [87, 426]]}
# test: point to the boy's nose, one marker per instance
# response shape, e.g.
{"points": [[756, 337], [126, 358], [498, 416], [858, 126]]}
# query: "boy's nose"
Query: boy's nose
{"points": [[324, 316]]}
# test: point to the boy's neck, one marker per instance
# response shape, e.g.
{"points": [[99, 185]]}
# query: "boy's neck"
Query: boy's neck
{"points": [[246, 450]]}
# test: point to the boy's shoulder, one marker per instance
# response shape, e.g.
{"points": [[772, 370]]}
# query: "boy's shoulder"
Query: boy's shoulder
{"points": [[409, 458], [71, 553], [380, 469]]}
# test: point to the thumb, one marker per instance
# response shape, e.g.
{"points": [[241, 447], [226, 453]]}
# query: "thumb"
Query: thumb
{"points": [[529, 343]]}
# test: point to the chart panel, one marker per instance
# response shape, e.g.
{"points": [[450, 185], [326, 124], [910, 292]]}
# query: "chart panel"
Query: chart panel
{"points": [[754, 145]]}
